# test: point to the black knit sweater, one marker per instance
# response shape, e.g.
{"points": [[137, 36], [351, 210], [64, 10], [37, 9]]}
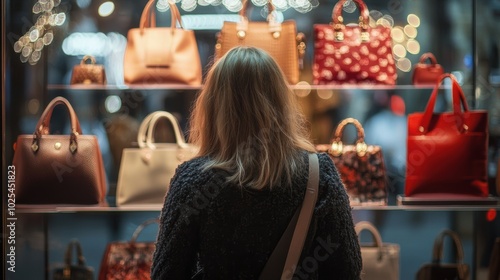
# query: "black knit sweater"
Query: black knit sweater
{"points": [[230, 231]]}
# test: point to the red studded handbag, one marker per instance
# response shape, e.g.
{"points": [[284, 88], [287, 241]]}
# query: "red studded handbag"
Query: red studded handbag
{"points": [[352, 54]]}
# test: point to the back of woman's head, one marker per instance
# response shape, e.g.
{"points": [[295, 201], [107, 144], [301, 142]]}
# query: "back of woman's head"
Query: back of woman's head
{"points": [[247, 121]]}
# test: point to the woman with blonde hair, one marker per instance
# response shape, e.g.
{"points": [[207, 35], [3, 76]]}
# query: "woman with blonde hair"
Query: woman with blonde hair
{"points": [[226, 209]]}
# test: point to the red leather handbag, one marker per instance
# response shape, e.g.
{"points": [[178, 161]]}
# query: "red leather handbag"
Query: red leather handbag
{"points": [[447, 152], [352, 54], [427, 73]]}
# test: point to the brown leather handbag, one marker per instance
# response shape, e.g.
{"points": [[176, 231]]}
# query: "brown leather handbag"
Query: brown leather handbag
{"points": [[161, 55], [437, 270], [88, 73], [280, 40], [427, 73], [361, 166], [58, 169]]}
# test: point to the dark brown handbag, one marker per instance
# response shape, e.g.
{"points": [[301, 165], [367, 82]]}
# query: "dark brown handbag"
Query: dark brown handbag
{"points": [[86, 73], [71, 271], [128, 259], [440, 271], [58, 169], [361, 166]]}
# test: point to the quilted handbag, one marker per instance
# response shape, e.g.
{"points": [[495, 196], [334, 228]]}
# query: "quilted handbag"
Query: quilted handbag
{"points": [[427, 73], [352, 54], [71, 271], [88, 73], [145, 172], [437, 270], [59, 169], [361, 166], [280, 40], [124, 260], [447, 152], [380, 260], [161, 55]]}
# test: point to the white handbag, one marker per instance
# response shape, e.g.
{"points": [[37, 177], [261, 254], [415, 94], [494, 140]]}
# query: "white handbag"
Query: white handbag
{"points": [[380, 260], [145, 172]]}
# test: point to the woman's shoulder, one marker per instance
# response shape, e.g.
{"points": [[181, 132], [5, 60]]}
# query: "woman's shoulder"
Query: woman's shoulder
{"points": [[191, 169]]}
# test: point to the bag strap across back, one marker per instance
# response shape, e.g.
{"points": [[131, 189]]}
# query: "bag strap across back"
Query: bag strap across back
{"points": [[287, 252]]}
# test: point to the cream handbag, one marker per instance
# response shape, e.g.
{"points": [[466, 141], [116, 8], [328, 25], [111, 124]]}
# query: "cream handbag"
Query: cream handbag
{"points": [[145, 172], [380, 260]]}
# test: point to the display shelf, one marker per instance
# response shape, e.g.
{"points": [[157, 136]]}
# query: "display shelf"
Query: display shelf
{"points": [[38, 209], [300, 86]]}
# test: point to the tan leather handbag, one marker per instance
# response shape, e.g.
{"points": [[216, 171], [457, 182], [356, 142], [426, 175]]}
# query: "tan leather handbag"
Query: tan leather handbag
{"points": [[280, 40], [166, 55], [380, 260], [88, 73], [145, 172], [58, 169]]}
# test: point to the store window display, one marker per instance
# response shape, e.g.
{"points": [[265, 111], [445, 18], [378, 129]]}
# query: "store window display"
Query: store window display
{"points": [[461, 34]]}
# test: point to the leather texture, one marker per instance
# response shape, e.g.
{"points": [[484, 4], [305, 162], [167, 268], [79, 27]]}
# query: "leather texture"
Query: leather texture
{"points": [[285, 49], [285, 256], [71, 271], [145, 172], [361, 166], [59, 169], [161, 55], [427, 73], [88, 73], [438, 270], [352, 54], [123, 260], [447, 152], [380, 260]]}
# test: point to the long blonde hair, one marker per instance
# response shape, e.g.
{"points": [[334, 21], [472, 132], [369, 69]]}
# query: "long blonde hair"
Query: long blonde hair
{"points": [[247, 121]]}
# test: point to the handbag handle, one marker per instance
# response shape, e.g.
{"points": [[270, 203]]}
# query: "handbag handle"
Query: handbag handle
{"points": [[87, 58], [69, 252], [242, 25], [148, 18], [43, 124], [338, 20], [337, 145], [139, 229], [459, 101], [364, 225], [243, 11], [146, 129], [428, 56], [437, 252]]}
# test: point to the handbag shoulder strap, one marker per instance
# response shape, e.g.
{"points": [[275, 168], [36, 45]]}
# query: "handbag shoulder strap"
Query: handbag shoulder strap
{"points": [[288, 252]]}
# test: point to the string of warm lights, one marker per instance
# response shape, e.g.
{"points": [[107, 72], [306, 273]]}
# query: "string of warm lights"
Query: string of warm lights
{"points": [[31, 44]]}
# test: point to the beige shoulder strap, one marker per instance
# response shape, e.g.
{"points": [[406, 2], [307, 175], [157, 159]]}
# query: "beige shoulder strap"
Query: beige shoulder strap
{"points": [[296, 231]]}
